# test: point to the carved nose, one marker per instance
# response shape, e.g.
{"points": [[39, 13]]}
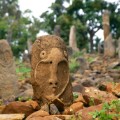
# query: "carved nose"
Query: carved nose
{"points": [[53, 82]]}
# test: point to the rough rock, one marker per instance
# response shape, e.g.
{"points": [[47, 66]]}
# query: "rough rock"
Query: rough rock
{"points": [[8, 78], [85, 113], [94, 96], [37, 114], [116, 90], [83, 65], [12, 116], [21, 107], [50, 71]]}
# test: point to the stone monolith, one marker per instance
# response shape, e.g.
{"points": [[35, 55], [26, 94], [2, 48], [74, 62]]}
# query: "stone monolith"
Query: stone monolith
{"points": [[8, 77], [50, 71]]}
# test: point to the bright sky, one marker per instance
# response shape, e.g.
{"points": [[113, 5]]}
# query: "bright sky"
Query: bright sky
{"points": [[36, 6], [39, 6]]}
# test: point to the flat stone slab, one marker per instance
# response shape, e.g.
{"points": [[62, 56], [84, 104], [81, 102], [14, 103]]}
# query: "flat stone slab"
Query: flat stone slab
{"points": [[12, 116]]}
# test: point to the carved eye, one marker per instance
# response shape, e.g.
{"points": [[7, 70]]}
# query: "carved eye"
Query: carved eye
{"points": [[42, 54], [65, 53]]}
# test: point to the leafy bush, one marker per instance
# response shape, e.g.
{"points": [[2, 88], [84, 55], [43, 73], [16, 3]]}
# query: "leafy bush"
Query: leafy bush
{"points": [[73, 65], [110, 111], [22, 71]]}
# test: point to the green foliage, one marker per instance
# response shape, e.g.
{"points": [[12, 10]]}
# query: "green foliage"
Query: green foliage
{"points": [[85, 15], [77, 54], [109, 111], [24, 99], [91, 102], [73, 65], [16, 26], [22, 71], [76, 117], [75, 96], [90, 59]]}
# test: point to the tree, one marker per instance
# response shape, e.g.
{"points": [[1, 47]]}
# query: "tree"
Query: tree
{"points": [[15, 26], [85, 15]]}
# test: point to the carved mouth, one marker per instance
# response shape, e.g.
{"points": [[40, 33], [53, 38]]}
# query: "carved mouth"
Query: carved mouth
{"points": [[54, 89]]}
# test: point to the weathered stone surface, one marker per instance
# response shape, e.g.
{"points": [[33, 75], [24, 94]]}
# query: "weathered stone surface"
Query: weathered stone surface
{"points": [[85, 113], [109, 47], [94, 96], [21, 107], [50, 71], [106, 23], [115, 74], [76, 106], [2, 108], [37, 114], [57, 30], [12, 116], [72, 39], [116, 89], [8, 78], [50, 117], [119, 48], [82, 65]]}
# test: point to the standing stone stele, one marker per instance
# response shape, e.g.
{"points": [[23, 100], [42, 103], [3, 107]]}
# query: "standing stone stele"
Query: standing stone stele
{"points": [[72, 39], [50, 71], [106, 23], [109, 47], [57, 30], [8, 77], [119, 48]]}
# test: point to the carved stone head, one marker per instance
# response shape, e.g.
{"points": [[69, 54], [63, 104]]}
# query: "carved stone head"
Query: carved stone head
{"points": [[50, 70]]}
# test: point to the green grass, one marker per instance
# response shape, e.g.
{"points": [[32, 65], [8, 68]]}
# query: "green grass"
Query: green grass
{"points": [[22, 71], [73, 65], [109, 111]]}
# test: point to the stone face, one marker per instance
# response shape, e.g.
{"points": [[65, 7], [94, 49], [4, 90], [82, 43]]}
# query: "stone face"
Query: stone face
{"points": [[8, 78], [50, 71]]}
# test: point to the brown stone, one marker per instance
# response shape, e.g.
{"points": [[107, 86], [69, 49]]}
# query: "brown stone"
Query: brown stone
{"points": [[116, 90], [85, 113], [37, 114], [72, 38], [2, 108], [76, 106], [80, 99], [50, 71], [12, 116], [21, 107], [8, 78], [94, 96], [52, 117]]}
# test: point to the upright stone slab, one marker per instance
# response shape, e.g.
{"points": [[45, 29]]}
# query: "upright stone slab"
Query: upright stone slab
{"points": [[8, 78], [109, 47], [119, 48], [50, 71], [72, 38], [106, 23], [57, 30]]}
